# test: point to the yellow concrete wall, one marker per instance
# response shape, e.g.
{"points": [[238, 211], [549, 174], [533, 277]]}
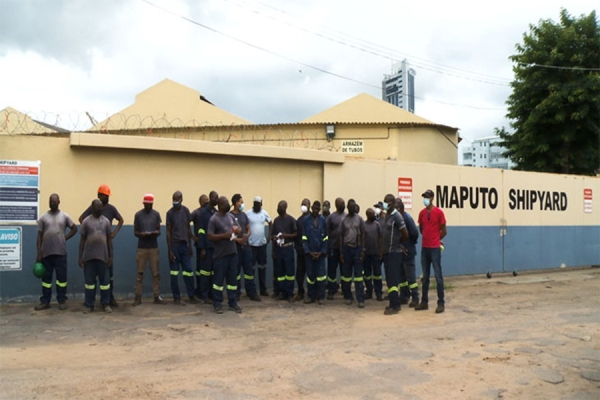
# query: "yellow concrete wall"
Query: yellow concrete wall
{"points": [[75, 174], [402, 143], [76, 171], [367, 181]]}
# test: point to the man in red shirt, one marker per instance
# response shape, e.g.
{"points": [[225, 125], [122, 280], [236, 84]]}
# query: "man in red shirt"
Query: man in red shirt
{"points": [[432, 224]]}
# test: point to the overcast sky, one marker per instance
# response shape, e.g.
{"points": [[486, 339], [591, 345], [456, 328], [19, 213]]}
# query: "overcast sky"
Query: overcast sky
{"points": [[69, 57]]}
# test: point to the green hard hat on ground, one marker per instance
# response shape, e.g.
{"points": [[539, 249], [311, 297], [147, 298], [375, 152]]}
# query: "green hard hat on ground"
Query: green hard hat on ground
{"points": [[39, 270]]}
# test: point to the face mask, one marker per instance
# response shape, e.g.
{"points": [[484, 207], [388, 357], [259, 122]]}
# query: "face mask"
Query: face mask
{"points": [[385, 206], [242, 207], [176, 204], [377, 211], [304, 209], [426, 201], [325, 209]]}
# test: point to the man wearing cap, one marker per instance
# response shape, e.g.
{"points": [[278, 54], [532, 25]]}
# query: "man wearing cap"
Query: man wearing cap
{"points": [[146, 227], [179, 235], [111, 213], [52, 252], [206, 250], [378, 209], [432, 224], [409, 288], [258, 217]]}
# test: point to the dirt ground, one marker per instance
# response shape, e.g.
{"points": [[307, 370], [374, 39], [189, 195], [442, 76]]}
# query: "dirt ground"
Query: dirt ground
{"points": [[534, 336]]}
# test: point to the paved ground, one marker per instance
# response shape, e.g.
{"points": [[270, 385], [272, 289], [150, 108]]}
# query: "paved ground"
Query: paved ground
{"points": [[536, 336]]}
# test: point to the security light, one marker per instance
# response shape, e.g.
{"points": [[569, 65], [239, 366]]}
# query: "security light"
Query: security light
{"points": [[330, 132]]}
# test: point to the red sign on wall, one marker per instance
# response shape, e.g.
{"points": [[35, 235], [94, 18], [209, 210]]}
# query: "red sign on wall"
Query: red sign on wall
{"points": [[405, 188], [587, 200]]}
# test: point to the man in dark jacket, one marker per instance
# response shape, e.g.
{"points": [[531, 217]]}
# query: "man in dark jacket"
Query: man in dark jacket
{"points": [[408, 280]]}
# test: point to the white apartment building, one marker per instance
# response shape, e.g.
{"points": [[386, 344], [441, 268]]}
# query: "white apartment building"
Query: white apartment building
{"points": [[486, 152]]}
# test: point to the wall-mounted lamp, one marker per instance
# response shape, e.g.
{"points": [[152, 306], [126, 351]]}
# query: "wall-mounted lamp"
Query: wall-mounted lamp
{"points": [[330, 132]]}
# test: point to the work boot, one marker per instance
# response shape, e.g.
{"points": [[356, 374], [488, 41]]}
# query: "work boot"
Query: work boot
{"points": [[137, 301], [42, 306], [159, 300], [178, 302], [280, 296], [379, 297], [62, 306], [403, 301], [88, 310], [349, 302], [422, 306], [361, 305], [255, 298], [368, 296], [299, 296], [206, 301], [107, 309], [413, 303], [329, 297], [320, 302], [439, 309], [113, 303], [192, 300], [309, 301], [219, 310], [264, 293], [237, 309], [391, 311]]}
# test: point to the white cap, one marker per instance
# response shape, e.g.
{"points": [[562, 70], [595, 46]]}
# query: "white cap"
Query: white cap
{"points": [[258, 198]]}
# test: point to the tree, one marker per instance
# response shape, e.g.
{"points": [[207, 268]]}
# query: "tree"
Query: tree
{"points": [[554, 109]]}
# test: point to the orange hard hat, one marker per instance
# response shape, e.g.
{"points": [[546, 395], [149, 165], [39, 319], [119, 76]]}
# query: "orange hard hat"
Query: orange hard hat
{"points": [[104, 189]]}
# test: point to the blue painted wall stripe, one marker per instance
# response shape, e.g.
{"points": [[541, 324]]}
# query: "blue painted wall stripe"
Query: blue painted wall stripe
{"points": [[468, 250]]}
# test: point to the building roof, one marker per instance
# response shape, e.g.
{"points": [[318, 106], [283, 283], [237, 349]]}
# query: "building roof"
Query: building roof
{"points": [[168, 104], [14, 122], [366, 109]]}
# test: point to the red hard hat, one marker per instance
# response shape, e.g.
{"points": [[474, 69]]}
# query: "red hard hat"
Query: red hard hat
{"points": [[104, 189], [148, 198]]}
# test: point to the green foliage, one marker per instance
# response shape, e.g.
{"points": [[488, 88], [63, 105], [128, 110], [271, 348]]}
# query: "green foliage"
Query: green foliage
{"points": [[554, 109]]}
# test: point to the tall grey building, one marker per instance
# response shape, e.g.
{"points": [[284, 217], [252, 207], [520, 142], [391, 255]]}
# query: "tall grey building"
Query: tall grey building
{"points": [[399, 87]]}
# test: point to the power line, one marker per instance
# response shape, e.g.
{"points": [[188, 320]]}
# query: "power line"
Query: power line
{"points": [[300, 62], [377, 50], [559, 67], [258, 47]]}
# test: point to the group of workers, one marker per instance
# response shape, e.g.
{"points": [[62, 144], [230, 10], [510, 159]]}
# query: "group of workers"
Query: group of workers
{"points": [[231, 244]]}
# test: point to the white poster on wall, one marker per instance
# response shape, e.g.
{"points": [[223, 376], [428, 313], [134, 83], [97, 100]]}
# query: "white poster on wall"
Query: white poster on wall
{"points": [[19, 191], [405, 189], [10, 248]]}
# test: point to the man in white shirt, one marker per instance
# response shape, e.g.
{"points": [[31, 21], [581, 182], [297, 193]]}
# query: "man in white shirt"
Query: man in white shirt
{"points": [[257, 240]]}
